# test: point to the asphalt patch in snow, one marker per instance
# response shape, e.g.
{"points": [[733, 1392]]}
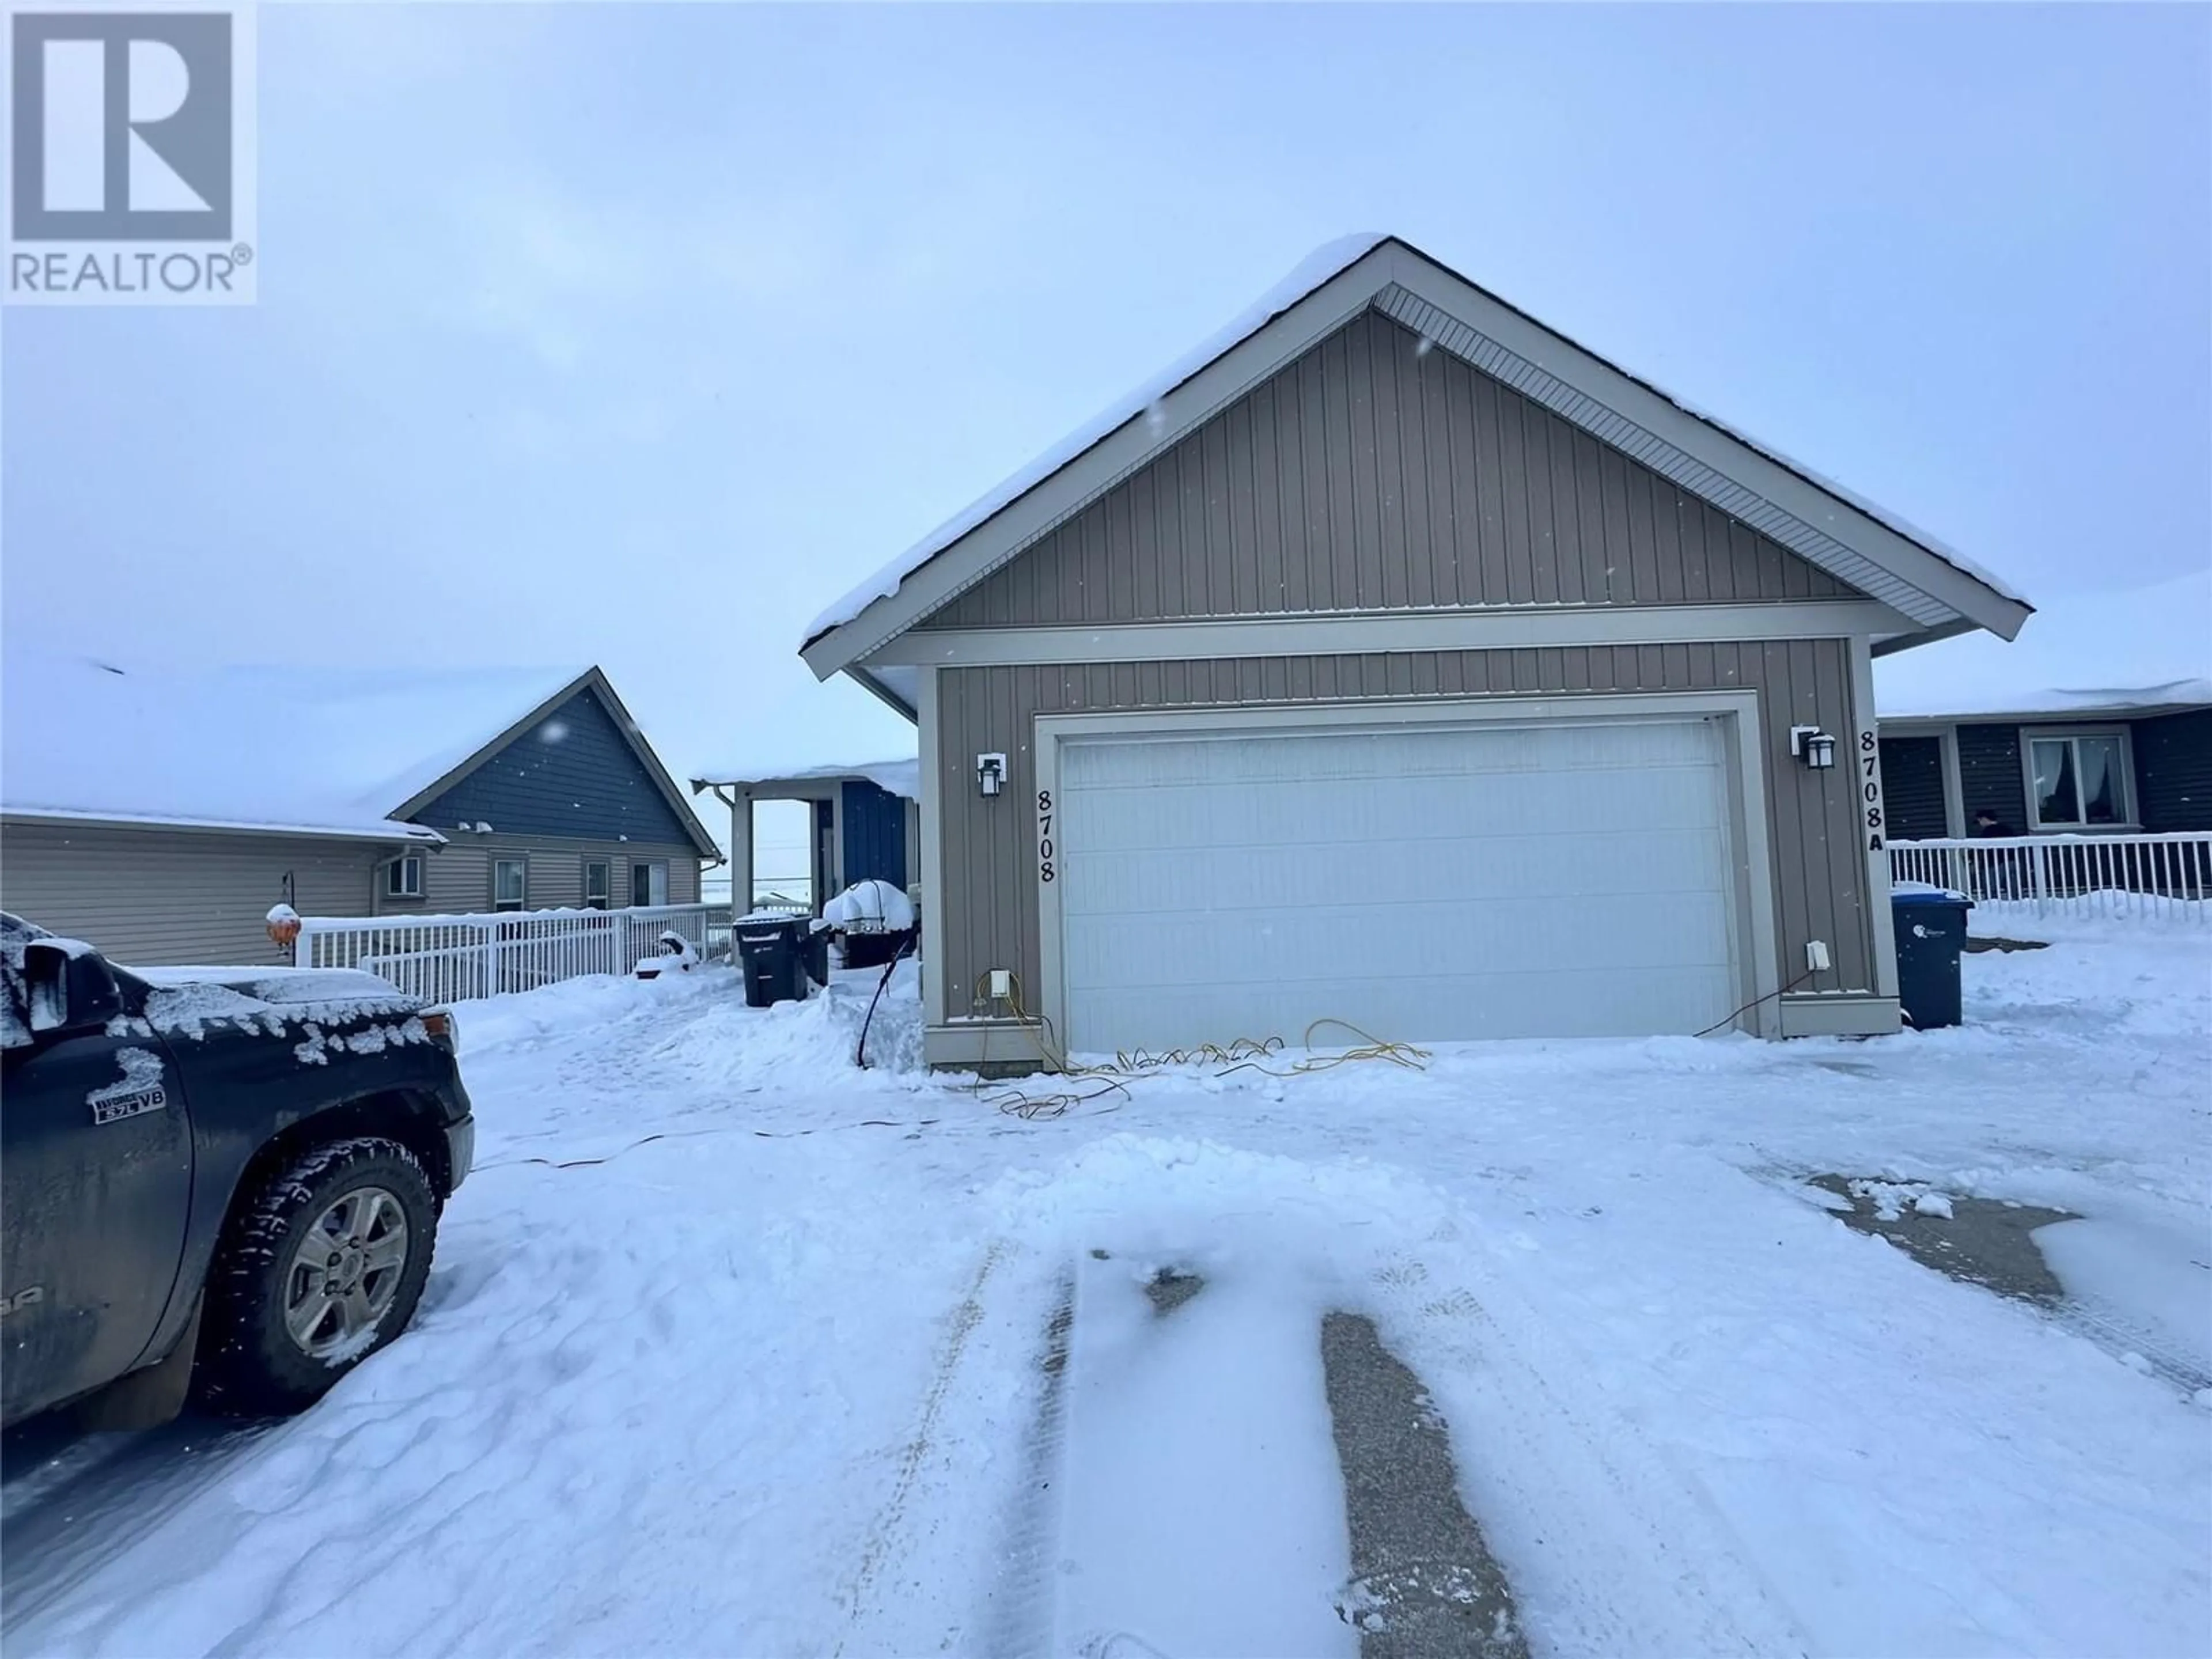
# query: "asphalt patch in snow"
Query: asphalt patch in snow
{"points": [[1424, 1584], [1169, 1288], [1976, 1241]]}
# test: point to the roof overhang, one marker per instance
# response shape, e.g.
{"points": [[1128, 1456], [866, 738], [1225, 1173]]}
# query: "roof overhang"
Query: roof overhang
{"points": [[2028, 714], [410, 834], [899, 776], [1873, 552]]}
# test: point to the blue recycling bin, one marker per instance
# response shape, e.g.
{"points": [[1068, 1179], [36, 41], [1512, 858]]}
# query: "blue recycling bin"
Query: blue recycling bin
{"points": [[1931, 933]]}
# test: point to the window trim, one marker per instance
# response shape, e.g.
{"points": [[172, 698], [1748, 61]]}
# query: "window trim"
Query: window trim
{"points": [[522, 861], [2129, 821], [393, 868], [606, 898]]}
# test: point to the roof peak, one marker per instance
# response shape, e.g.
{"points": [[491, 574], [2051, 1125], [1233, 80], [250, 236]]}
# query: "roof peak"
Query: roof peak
{"points": [[1819, 519]]}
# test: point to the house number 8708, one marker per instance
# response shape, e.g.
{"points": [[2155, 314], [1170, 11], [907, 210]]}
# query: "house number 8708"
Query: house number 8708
{"points": [[1044, 835]]}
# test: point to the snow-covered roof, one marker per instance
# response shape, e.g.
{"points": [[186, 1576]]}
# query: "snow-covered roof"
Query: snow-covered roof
{"points": [[1309, 274], [1873, 509], [2129, 648], [898, 777], [328, 751], [1817, 540]]}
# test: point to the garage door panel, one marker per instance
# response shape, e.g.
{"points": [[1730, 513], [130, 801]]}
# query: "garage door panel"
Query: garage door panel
{"points": [[1389, 872], [1439, 808], [1428, 883], [1243, 758], [1591, 934], [1474, 1008]]}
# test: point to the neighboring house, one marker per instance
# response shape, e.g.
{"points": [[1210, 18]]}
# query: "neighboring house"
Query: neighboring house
{"points": [[1394, 660], [2098, 721], [160, 814], [863, 825]]}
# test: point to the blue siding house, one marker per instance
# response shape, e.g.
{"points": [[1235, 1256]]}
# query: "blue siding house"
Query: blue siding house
{"points": [[161, 813], [567, 807], [2096, 722]]}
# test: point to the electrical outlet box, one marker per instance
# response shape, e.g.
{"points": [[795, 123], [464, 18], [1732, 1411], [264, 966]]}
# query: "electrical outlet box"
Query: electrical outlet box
{"points": [[1002, 982], [1816, 956]]}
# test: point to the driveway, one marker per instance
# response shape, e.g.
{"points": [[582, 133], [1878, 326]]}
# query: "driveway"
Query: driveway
{"points": [[732, 1348]]}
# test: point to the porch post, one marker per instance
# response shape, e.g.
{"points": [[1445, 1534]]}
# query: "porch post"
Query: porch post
{"points": [[741, 852]]}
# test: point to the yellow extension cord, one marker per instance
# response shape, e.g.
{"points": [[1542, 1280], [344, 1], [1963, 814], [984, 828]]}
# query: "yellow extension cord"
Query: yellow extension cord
{"points": [[1241, 1054]]}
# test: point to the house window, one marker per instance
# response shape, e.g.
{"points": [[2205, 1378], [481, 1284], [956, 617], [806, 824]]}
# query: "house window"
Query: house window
{"points": [[599, 879], [403, 877], [2079, 780], [510, 884], [648, 883]]}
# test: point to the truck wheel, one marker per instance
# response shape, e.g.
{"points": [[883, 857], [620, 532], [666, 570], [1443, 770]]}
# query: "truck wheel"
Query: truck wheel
{"points": [[322, 1267]]}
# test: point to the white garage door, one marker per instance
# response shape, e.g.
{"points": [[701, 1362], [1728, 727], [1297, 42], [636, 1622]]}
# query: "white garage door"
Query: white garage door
{"points": [[1426, 883]]}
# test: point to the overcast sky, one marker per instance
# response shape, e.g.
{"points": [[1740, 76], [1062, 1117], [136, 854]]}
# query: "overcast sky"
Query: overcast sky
{"points": [[637, 334]]}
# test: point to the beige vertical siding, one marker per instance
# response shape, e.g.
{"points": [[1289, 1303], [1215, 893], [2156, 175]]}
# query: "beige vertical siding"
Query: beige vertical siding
{"points": [[160, 896], [163, 896], [990, 895], [456, 877], [1373, 475]]}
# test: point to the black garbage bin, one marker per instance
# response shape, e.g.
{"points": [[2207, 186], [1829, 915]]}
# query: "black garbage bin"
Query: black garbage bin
{"points": [[1931, 932], [814, 950], [768, 953]]}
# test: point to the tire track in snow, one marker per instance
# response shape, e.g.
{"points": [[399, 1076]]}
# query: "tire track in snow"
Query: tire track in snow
{"points": [[884, 1536], [1646, 1562], [1022, 1600]]}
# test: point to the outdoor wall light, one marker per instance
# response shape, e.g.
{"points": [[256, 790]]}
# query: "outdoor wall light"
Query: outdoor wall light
{"points": [[1812, 746], [990, 773]]}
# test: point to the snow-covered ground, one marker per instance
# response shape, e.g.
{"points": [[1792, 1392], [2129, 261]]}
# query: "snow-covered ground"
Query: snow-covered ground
{"points": [[734, 1349]]}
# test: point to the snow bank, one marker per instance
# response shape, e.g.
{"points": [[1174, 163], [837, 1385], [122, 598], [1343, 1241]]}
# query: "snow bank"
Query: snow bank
{"points": [[2146, 1275]]}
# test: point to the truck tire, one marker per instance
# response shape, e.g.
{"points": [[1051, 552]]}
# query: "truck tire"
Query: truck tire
{"points": [[318, 1269]]}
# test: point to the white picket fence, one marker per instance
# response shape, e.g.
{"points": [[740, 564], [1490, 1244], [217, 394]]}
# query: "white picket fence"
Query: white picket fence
{"points": [[2168, 876], [452, 958]]}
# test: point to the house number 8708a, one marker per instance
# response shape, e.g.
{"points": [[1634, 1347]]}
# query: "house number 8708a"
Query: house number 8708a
{"points": [[1044, 835], [1870, 788]]}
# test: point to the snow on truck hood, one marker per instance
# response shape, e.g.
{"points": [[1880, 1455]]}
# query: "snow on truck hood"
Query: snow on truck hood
{"points": [[282, 985], [188, 995]]}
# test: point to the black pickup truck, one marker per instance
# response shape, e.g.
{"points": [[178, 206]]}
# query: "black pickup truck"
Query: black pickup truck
{"points": [[220, 1182]]}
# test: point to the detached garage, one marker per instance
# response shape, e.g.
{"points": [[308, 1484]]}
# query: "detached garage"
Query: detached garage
{"points": [[1395, 660], [1461, 878]]}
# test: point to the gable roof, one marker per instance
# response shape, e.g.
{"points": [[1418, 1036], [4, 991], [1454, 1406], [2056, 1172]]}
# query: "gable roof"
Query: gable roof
{"points": [[590, 679], [2126, 651], [310, 751], [1850, 537]]}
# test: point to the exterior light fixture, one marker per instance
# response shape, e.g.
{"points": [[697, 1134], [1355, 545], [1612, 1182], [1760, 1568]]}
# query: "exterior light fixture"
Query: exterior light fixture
{"points": [[1812, 746], [990, 773]]}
